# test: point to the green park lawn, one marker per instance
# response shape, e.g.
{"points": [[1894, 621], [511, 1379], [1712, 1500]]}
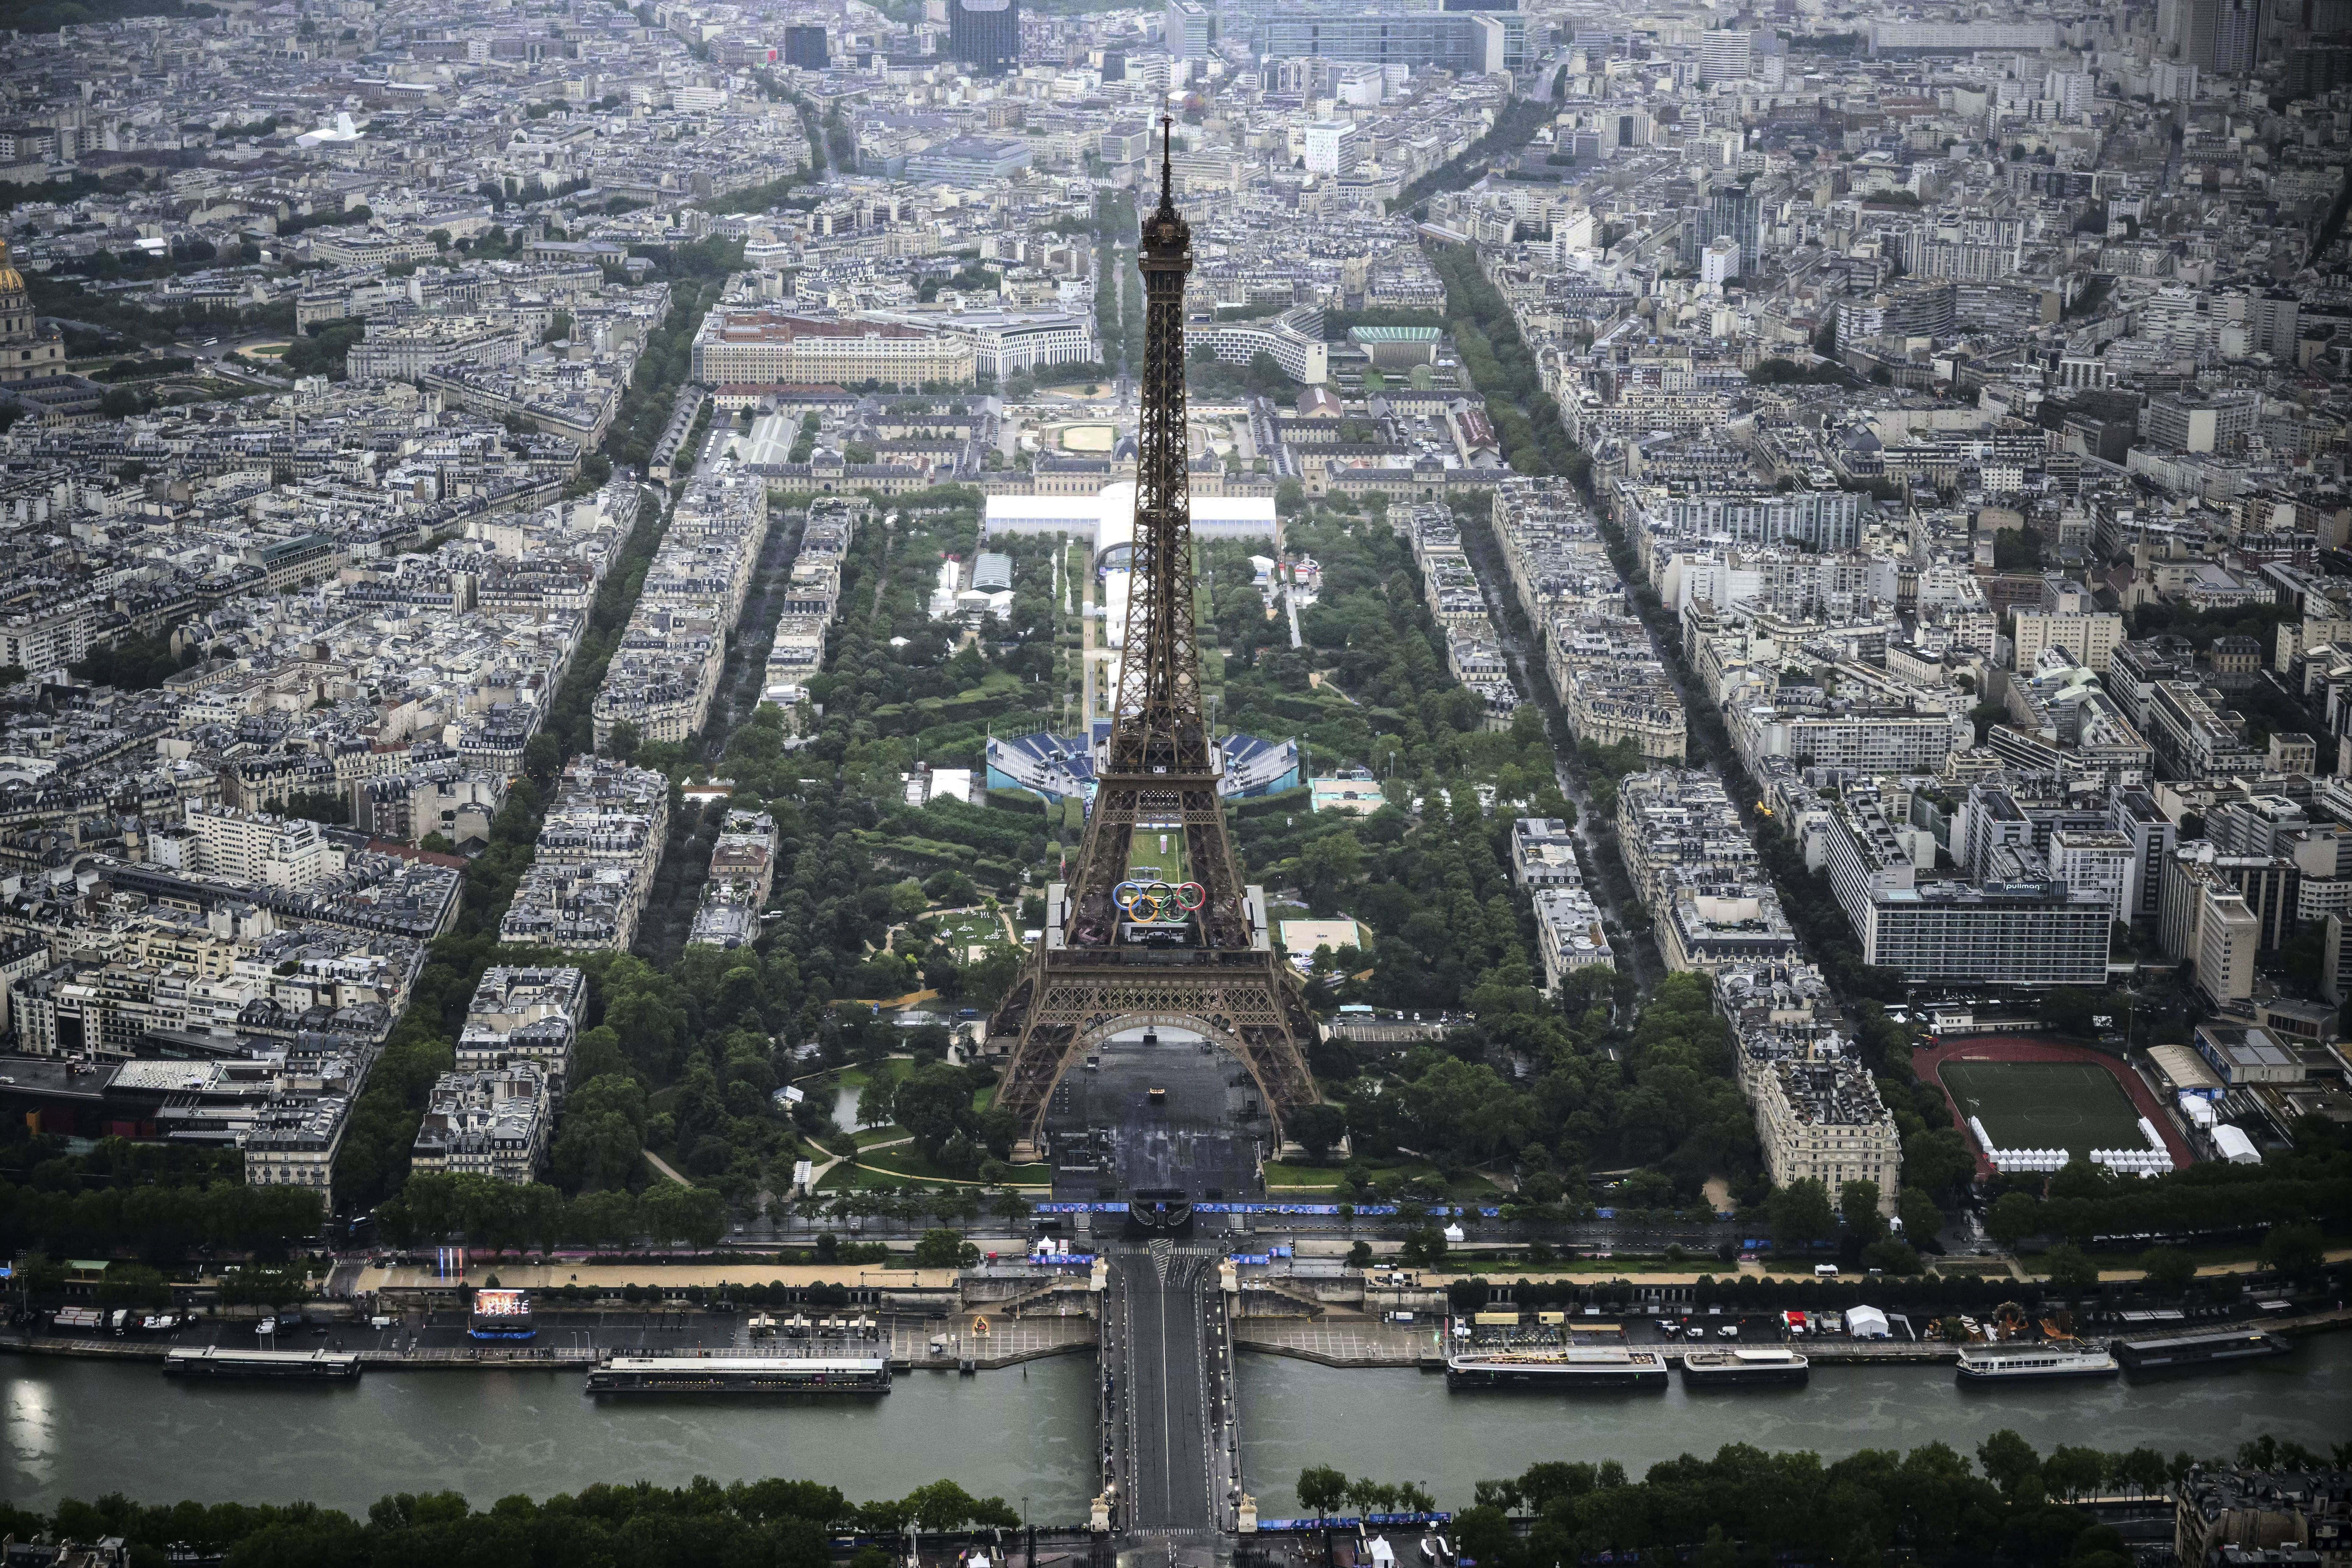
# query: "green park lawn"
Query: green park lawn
{"points": [[1468, 1186], [965, 930], [1279, 1173], [905, 1161]]}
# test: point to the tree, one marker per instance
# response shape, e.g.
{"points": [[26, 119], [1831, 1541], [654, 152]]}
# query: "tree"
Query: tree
{"points": [[908, 900], [1485, 1534], [119, 403], [1322, 1488], [1424, 1248], [2071, 1269], [1858, 1204], [933, 1104], [2294, 1249], [2070, 1471], [133, 1285], [2170, 1269], [2016, 550], [2080, 1178], [877, 1101], [940, 1506], [2012, 1217], [1318, 1129], [1801, 1213], [1328, 867], [697, 1216], [943, 1249], [2010, 1462], [1467, 1111], [1920, 1216], [597, 1149], [1891, 1257], [1937, 1160]]}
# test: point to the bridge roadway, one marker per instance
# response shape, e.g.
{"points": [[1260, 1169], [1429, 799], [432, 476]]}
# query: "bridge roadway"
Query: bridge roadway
{"points": [[1168, 1374]]}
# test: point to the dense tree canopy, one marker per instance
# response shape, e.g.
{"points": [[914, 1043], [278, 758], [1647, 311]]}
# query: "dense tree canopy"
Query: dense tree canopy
{"points": [[771, 1523]]}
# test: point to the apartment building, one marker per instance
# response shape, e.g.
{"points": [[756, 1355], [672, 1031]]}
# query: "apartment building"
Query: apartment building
{"points": [[2022, 933], [1680, 818], [293, 1143], [530, 1014], [2216, 916], [1819, 1117], [1818, 1113], [2195, 736], [1866, 738], [1709, 923], [493, 1123], [1543, 854], [1568, 933], [2092, 858], [254, 849], [593, 868], [2090, 638], [2133, 813], [742, 871]]}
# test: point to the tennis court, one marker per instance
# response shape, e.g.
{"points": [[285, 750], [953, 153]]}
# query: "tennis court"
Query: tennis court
{"points": [[2074, 1106]]}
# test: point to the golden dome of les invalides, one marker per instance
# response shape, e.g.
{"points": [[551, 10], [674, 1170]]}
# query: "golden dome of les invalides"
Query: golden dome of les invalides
{"points": [[25, 350]]}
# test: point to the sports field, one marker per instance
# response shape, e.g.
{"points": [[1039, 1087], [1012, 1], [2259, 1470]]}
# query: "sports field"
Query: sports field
{"points": [[2072, 1106]]}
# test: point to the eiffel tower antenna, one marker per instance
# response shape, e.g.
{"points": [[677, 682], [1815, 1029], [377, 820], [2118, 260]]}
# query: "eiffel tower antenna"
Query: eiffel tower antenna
{"points": [[1206, 965]]}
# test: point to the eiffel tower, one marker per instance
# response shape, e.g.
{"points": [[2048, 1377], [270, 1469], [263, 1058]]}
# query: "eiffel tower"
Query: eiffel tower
{"points": [[1098, 969]]}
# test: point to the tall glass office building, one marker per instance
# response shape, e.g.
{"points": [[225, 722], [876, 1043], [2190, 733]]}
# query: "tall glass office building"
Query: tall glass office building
{"points": [[985, 34]]}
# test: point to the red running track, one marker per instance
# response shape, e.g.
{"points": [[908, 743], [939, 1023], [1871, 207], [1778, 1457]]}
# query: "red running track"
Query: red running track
{"points": [[1925, 1060]]}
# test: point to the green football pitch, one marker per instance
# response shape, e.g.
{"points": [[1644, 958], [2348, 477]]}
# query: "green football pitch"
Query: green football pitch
{"points": [[2072, 1106]]}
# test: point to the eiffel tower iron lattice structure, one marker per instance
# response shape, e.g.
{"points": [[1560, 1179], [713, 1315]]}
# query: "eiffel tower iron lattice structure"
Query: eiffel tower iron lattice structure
{"points": [[1098, 970]]}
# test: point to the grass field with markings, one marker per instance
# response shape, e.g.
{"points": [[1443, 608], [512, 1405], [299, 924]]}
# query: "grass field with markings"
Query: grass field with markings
{"points": [[2072, 1106]]}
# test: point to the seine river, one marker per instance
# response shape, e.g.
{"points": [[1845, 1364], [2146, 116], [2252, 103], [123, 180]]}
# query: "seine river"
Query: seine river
{"points": [[81, 1429]]}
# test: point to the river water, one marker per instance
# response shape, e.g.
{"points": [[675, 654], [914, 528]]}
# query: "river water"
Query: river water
{"points": [[81, 1429], [1403, 1425]]}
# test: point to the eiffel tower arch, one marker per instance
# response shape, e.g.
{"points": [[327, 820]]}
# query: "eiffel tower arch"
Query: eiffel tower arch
{"points": [[1104, 965]]}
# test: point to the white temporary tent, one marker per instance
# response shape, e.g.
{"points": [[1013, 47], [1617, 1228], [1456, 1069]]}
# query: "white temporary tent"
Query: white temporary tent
{"points": [[1866, 1323], [2235, 1146]]}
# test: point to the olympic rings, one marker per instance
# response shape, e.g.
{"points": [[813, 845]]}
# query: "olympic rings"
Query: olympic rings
{"points": [[1151, 901]]}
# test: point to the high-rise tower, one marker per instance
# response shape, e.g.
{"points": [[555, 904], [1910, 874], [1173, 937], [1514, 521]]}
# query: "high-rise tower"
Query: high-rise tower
{"points": [[985, 34], [1155, 926]]}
